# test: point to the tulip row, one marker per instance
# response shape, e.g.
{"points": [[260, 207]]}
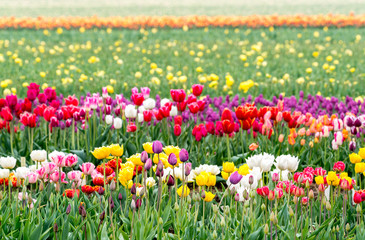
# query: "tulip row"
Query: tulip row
{"points": [[266, 197], [186, 21], [237, 128]]}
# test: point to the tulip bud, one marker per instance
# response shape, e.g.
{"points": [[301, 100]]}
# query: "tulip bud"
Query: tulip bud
{"points": [[102, 216], [250, 179], [272, 216], [101, 191], [160, 221], [141, 193], [348, 228], [1, 196], [311, 194], [133, 189], [68, 209], [203, 194], [307, 185], [295, 200], [274, 177], [358, 208], [334, 229], [148, 164], [328, 206], [246, 204], [215, 208], [176, 207], [214, 234], [237, 197], [245, 194], [55, 227], [30, 199], [263, 206], [223, 222], [188, 199], [133, 205], [291, 212], [160, 165], [321, 188], [187, 169], [170, 181], [57, 188], [337, 228], [82, 211], [144, 156], [159, 173], [41, 186], [300, 179], [233, 190], [266, 229], [112, 186]]}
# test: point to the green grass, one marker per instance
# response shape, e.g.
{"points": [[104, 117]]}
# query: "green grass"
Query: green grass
{"points": [[65, 59], [175, 7]]}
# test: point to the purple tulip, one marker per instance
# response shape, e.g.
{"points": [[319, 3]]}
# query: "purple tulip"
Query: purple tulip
{"points": [[187, 169], [183, 155], [133, 189], [235, 178], [172, 159], [148, 164], [157, 147], [352, 146], [170, 181], [144, 156]]}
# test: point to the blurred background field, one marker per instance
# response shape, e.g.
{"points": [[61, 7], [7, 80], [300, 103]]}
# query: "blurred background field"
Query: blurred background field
{"points": [[104, 8]]}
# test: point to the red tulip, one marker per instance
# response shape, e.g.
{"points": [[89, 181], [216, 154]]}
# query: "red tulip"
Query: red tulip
{"points": [[147, 116], [228, 126], [339, 166], [137, 99], [201, 105], [227, 115], [131, 127], [6, 114], [48, 113], [178, 95], [72, 100], [178, 120], [197, 89], [193, 107], [177, 130], [357, 198]]}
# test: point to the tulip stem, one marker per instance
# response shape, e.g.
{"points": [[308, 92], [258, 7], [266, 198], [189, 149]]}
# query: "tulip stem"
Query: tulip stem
{"points": [[73, 133], [11, 137], [117, 176], [228, 149]]}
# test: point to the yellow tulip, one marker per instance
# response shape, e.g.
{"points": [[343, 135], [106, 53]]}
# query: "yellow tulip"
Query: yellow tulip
{"points": [[225, 175], [319, 180], [136, 159], [244, 170], [116, 150], [186, 191], [101, 152], [147, 147], [172, 149], [211, 180], [202, 179], [355, 158], [228, 167], [359, 167], [209, 196], [362, 153]]}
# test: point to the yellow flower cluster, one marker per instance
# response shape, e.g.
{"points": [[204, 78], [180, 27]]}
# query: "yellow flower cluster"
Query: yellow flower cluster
{"points": [[356, 158], [104, 152], [206, 179], [229, 168], [126, 173]]}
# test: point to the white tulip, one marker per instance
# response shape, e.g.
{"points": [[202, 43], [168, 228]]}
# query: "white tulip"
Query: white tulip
{"points": [[140, 117], [4, 173], [38, 155], [7, 162], [173, 111], [118, 123], [164, 101], [108, 119], [149, 104], [21, 172], [130, 111]]}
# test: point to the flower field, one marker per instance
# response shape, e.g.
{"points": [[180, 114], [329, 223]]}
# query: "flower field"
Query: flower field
{"points": [[182, 127]]}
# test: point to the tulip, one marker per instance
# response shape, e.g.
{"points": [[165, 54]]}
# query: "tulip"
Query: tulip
{"points": [[148, 164], [144, 156], [197, 89], [235, 178], [183, 155], [187, 169], [117, 123], [172, 159], [7, 162], [87, 168], [157, 147], [170, 181], [32, 177], [177, 130]]}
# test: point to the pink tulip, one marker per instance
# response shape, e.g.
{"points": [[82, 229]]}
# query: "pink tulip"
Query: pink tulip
{"points": [[32, 177], [70, 160], [59, 160], [49, 168], [41, 172], [55, 177], [87, 168], [74, 175]]}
